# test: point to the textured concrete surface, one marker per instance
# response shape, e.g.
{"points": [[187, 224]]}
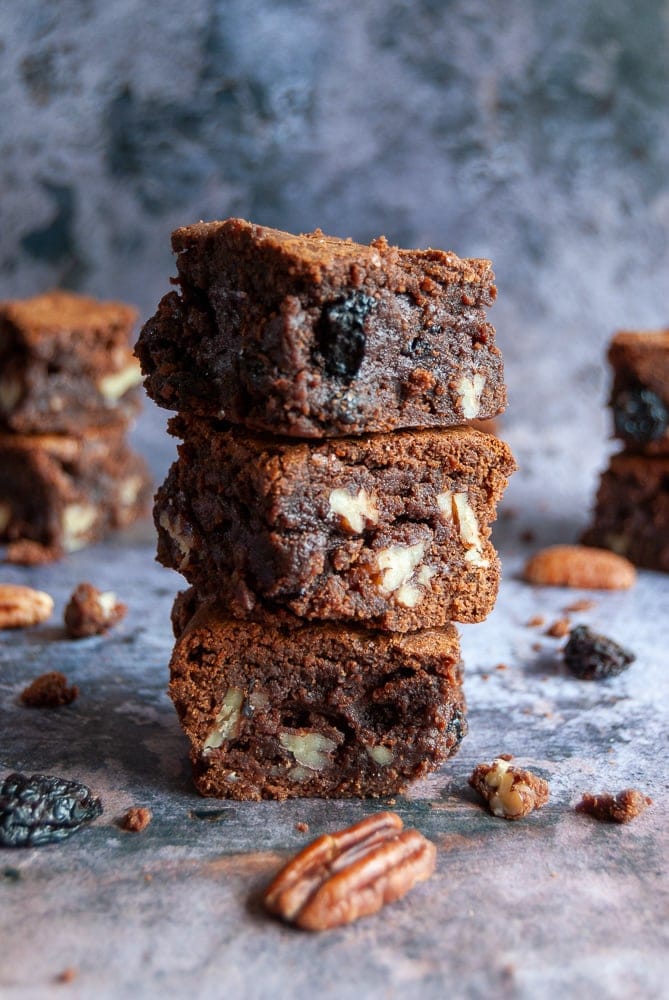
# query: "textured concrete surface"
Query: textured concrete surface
{"points": [[553, 905]]}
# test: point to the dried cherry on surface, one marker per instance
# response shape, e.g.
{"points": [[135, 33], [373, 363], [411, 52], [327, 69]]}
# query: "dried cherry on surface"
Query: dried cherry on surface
{"points": [[594, 657], [41, 809]]}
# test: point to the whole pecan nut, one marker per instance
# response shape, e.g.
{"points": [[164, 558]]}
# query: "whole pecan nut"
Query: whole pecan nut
{"points": [[23, 606], [351, 873]]}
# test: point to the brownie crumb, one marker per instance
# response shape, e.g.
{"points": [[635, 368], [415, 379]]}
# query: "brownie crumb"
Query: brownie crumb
{"points": [[559, 629], [136, 819], [509, 792], [91, 612], [593, 657], [501, 666], [527, 537], [536, 621], [302, 827], [67, 975], [620, 808], [585, 604], [49, 690], [26, 552]]}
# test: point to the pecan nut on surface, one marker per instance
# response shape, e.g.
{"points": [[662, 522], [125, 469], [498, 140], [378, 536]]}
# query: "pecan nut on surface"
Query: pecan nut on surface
{"points": [[350, 874]]}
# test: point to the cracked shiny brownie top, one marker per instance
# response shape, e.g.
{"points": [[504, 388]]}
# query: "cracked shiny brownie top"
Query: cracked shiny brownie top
{"points": [[313, 336]]}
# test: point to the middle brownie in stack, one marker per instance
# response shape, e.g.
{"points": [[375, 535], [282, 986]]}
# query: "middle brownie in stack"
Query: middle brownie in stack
{"points": [[315, 653]]}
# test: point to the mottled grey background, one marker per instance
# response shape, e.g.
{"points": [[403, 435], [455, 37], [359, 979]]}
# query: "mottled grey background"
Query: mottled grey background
{"points": [[531, 132]]}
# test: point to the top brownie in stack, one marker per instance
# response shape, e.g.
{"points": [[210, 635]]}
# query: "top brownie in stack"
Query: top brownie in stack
{"points": [[66, 363], [312, 336], [640, 392]]}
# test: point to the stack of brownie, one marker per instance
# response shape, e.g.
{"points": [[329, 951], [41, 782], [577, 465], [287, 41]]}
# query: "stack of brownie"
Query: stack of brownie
{"points": [[632, 508], [328, 508], [69, 387]]}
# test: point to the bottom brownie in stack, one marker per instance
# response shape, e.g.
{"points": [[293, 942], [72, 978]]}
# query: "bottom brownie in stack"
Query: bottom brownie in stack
{"points": [[64, 492], [632, 510], [279, 711]]}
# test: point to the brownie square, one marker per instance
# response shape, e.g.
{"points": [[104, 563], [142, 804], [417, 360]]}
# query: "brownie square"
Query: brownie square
{"points": [[65, 492], [640, 393], [314, 710], [631, 514], [390, 530], [313, 336], [66, 363]]}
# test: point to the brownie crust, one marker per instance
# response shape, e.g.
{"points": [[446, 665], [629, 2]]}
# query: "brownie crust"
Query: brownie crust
{"points": [[65, 492], [66, 362], [313, 336], [631, 514], [327, 711], [389, 530]]}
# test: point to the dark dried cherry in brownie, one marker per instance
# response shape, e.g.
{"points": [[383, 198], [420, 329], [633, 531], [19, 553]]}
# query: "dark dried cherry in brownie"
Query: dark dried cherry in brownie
{"points": [[66, 364], [640, 393], [314, 710], [314, 336], [390, 530], [631, 514], [65, 492]]}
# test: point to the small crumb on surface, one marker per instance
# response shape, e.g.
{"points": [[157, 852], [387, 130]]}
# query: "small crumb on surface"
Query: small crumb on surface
{"points": [[585, 604], [92, 612], [50, 690], [620, 808], [28, 553], [67, 975], [536, 621], [136, 819], [302, 827], [559, 629], [509, 792], [501, 666]]}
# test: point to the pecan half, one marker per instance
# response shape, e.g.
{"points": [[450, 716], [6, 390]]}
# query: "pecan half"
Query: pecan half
{"points": [[23, 606], [351, 873]]}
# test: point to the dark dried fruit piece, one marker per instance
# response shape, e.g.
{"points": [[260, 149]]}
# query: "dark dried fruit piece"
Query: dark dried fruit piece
{"points": [[639, 415], [43, 809], [341, 335], [593, 657], [457, 727]]}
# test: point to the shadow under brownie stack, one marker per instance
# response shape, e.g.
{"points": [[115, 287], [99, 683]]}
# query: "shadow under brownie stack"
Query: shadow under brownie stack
{"points": [[69, 388], [631, 514], [328, 508]]}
